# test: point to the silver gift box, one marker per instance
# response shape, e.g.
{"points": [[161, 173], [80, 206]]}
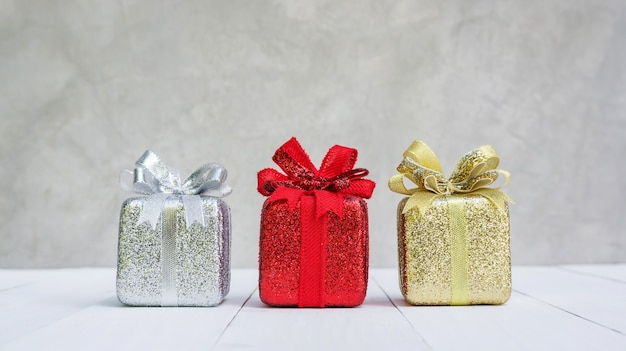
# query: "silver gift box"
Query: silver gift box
{"points": [[173, 265]]}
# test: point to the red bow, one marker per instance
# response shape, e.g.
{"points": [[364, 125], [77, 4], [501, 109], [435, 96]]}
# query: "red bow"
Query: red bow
{"points": [[334, 180]]}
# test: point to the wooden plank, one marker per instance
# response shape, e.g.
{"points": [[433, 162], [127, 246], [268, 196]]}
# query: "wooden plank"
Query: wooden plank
{"points": [[108, 325], [615, 272], [45, 296], [571, 307], [591, 297], [523, 323], [12, 278], [376, 325]]}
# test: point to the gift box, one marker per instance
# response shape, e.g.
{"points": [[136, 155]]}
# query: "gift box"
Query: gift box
{"points": [[174, 241], [314, 238], [453, 233]]}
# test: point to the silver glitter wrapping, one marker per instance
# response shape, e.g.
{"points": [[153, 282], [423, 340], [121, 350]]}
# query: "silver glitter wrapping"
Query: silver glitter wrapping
{"points": [[199, 267]]}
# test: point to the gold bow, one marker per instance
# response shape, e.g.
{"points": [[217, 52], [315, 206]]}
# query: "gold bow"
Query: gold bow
{"points": [[472, 174]]}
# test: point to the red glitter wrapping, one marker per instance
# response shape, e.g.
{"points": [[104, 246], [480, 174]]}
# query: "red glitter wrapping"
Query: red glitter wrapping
{"points": [[314, 230]]}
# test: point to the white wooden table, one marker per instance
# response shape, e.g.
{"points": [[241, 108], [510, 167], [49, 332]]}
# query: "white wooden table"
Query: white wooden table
{"points": [[552, 308]]}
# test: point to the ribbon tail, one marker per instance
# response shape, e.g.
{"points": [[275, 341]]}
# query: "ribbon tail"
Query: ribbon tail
{"points": [[152, 209], [193, 210], [420, 200], [498, 198], [326, 201]]}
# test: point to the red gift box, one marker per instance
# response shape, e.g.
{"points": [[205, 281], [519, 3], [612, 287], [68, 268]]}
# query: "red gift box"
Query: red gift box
{"points": [[314, 243]]}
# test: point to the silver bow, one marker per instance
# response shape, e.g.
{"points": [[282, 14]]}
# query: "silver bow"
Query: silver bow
{"points": [[152, 177]]}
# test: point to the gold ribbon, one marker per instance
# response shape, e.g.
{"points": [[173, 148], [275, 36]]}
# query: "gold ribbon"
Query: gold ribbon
{"points": [[457, 227], [472, 174]]}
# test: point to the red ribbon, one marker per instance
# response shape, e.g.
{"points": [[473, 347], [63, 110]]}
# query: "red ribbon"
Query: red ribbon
{"points": [[318, 192]]}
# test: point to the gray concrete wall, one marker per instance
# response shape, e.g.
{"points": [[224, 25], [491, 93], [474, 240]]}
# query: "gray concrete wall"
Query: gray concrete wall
{"points": [[87, 86]]}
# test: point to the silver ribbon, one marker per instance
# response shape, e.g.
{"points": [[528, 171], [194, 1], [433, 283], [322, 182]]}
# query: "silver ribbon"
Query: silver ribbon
{"points": [[169, 258], [152, 177]]}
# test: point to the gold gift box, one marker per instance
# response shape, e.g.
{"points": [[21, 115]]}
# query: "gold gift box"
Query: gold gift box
{"points": [[453, 233], [426, 256]]}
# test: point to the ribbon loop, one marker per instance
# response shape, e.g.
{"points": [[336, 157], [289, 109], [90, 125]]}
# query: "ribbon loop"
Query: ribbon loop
{"points": [[473, 172], [152, 177]]}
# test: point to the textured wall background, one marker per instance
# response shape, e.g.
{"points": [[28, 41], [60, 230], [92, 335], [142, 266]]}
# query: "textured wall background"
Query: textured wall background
{"points": [[87, 86]]}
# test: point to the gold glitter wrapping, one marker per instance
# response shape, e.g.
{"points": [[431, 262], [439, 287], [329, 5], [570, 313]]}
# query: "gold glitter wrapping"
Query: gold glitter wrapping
{"points": [[202, 261], [425, 253]]}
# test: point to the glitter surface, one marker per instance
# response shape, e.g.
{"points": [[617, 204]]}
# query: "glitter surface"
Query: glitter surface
{"points": [[202, 271], [346, 258], [425, 255]]}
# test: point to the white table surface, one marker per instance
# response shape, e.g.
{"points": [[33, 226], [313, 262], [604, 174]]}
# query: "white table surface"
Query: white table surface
{"points": [[551, 308]]}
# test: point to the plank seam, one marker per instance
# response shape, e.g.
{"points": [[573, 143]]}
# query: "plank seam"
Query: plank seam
{"points": [[588, 274], [403, 315], [232, 319], [570, 312], [14, 287]]}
